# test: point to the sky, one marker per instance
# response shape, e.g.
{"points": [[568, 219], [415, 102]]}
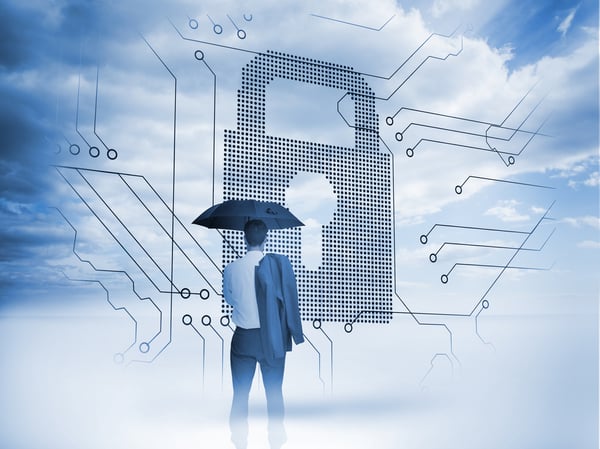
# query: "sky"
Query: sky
{"points": [[114, 113]]}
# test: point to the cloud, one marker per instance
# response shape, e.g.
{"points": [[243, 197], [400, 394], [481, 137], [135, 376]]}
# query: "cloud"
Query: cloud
{"points": [[441, 7], [26, 233], [572, 165], [135, 102], [13, 207], [591, 244], [538, 210], [507, 211], [575, 167], [579, 222], [565, 25], [572, 109], [593, 180]]}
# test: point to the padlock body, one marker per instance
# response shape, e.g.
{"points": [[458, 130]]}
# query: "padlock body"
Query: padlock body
{"points": [[354, 282]]}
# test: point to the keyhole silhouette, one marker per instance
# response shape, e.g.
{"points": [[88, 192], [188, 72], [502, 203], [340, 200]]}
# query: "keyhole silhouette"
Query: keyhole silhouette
{"points": [[311, 198]]}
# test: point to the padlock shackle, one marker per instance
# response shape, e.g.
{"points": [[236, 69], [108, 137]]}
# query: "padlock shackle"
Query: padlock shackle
{"points": [[266, 67]]}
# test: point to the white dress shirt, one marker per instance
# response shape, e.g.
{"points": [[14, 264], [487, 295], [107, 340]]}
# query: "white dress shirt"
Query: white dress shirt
{"points": [[239, 290]]}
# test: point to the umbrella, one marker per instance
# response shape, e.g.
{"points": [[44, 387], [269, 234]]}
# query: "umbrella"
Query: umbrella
{"points": [[233, 214]]}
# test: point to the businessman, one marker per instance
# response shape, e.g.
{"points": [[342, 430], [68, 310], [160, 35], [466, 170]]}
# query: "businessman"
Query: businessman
{"points": [[262, 291]]}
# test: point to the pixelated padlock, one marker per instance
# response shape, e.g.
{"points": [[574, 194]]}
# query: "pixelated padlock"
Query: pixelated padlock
{"points": [[354, 282]]}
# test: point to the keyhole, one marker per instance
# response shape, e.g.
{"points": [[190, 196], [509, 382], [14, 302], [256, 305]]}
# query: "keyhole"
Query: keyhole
{"points": [[311, 198]]}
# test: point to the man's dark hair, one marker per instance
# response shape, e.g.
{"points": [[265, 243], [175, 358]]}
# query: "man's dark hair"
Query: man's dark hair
{"points": [[255, 232]]}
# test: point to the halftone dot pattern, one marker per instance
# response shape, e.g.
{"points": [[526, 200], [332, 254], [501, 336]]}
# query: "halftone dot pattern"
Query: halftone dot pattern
{"points": [[355, 275]]}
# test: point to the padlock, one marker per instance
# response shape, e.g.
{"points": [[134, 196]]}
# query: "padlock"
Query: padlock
{"points": [[354, 282]]}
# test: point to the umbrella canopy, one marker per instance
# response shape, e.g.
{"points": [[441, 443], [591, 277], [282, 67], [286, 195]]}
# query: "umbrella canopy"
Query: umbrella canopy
{"points": [[233, 214]]}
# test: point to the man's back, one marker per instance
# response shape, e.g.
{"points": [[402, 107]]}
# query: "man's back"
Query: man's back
{"points": [[239, 289]]}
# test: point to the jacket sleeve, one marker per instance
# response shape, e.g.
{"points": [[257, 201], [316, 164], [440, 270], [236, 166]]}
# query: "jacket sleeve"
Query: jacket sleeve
{"points": [[290, 292]]}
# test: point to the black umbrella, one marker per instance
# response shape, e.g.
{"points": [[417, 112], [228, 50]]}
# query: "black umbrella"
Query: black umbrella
{"points": [[233, 214]]}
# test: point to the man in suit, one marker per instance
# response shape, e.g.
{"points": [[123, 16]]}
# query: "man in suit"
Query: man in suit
{"points": [[262, 291]]}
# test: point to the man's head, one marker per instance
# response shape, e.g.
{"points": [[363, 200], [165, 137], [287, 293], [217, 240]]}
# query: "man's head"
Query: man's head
{"points": [[255, 232]]}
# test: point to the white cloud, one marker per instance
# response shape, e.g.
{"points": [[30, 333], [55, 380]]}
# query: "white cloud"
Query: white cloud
{"points": [[14, 207], [538, 210], [507, 211], [579, 222], [575, 166], [564, 26], [591, 244], [441, 7], [311, 198], [593, 180], [136, 101], [465, 85]]}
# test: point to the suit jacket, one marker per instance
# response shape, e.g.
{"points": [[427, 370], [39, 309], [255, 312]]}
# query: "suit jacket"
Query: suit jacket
{"points": [[277, 300]]}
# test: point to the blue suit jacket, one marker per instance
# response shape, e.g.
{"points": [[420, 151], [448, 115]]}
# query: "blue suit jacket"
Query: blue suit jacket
{"points": [[277, 299]]}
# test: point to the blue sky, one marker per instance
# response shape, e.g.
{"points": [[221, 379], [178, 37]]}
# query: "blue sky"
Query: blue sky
{"points": [[535, 29], [95, 74]]}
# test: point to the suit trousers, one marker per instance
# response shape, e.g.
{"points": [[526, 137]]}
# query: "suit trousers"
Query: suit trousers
{"points": [[246, 352]]}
